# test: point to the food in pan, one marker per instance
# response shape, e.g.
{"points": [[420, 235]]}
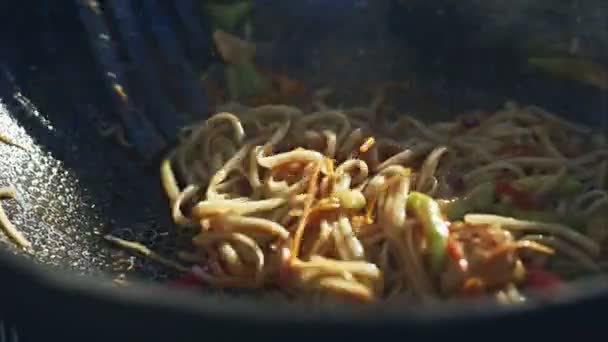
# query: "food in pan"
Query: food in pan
{"points": [[7, 226], [8, 193], [8, 141], [348, 204]]}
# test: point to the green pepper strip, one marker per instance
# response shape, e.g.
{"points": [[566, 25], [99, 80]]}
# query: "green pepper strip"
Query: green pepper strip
{"points": [[244, 80], [479, 199], [227, 16], [435, 228], [575, 221], [568, 186]]}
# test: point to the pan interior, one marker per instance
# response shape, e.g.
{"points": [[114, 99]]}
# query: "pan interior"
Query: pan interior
{"points": [[74, 184]]}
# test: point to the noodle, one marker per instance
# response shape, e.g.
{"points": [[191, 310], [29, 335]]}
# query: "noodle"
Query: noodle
{"points": [[335, 203], [566, 249], [8, 141], [7, 226], [550, 228], [145, 251]]}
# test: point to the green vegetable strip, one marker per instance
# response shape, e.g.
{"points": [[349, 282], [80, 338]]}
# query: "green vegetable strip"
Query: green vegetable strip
{"points": [[227, 16], [483, 199], [567, 186], [243, 78], [479, 199], [250, 81], [575, 221], [435, 228]]}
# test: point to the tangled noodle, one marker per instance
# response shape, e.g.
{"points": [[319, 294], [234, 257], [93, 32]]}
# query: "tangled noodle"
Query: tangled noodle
{"points": [[329, 204]]}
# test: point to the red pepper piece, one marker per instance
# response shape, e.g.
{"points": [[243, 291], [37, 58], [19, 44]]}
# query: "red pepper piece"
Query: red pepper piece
{"points": [[187, 281], [542, 279], [521, 199]]}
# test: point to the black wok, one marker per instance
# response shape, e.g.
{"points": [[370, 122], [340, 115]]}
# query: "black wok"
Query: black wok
{"points": [[75, 185]]}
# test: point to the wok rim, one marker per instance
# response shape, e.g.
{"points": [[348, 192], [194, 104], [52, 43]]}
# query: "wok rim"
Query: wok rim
{"points": [[86, 288]]}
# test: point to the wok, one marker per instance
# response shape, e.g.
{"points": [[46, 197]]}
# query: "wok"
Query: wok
{"points": [[75, 185]]}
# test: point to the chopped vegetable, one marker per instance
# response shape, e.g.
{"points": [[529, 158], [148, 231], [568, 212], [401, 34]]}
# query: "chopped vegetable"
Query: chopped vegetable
{"points": [[242, 75], [435, 228], [541, 279], [479, 199], [567, 186], [455, 252], [232, 49], [244, 80], [227, 16], [517, 202], [521, 199], [470, 122], [187, 281], [572, 220], [482, 195], [369, 142], [573, 69]]}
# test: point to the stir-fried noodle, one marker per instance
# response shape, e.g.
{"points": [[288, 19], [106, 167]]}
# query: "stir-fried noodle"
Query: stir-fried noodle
{"points": [[348, 204], [7, 226]]}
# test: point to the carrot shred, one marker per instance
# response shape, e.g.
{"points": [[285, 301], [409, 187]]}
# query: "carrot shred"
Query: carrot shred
{"points": [[312, 189], [369, 142]]}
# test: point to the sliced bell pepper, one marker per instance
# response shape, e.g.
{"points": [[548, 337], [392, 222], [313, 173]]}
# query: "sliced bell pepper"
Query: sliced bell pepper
{"points": [[188, 280], [227, 16], [567, 186], [479, 199], [542, 279], [521, 199]]}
